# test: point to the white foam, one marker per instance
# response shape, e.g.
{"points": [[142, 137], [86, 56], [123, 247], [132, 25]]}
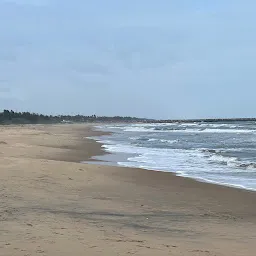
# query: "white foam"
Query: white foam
{"points": [[231, 161], [187, 163], [163, 141], [152, 140], [201, 164], [169, 141], [227, 131], [134, 138], [137, 129], [188, 130]]}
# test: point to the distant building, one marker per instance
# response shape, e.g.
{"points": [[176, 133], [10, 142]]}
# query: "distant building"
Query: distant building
{"points": [[66, 121]]}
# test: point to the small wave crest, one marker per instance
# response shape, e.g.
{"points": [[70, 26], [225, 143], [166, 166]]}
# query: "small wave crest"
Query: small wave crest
{"points": [[187, 130], [231, 161], [164, 141], [216, 156]]}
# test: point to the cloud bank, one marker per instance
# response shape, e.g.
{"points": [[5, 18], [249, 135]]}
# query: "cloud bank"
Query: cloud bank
{"points": [[165, 59]]}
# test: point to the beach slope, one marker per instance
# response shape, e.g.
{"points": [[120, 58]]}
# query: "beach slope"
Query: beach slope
{"points": [[50, 204]]}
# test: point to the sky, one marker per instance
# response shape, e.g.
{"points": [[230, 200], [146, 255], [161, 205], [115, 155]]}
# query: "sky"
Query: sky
{"points": [[157, 59]]}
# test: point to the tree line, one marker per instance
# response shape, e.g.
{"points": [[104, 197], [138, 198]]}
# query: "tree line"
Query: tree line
{"points": [[12, 117]]}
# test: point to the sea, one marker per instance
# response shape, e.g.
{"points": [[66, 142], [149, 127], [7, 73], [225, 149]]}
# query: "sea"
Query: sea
{"points": [[221, 153]]}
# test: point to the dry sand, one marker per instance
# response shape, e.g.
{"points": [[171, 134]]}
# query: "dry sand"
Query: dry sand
{"points": [[52, 205]]}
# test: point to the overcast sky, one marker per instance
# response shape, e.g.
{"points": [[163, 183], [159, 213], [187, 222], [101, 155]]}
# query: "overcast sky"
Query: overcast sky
{"points": [[160, 59]]}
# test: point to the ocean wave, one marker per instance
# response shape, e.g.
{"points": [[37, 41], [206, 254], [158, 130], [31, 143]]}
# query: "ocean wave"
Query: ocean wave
{"points": [[247, 166], [219, 125], [228, 131], [134, 138], [164, 141], [215, 155], [188, 130], [169, 141], [230, 163], [150, 140]]}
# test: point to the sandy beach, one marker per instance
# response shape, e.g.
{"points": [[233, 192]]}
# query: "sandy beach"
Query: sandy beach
{"points": [[50, 204]]}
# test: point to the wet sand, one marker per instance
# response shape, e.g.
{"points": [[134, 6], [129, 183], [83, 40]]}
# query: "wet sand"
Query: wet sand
{"points": [[50, 204]]}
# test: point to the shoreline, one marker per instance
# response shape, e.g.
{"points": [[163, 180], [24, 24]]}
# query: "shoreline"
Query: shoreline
{"points": [[53, 205], [110, 162]]}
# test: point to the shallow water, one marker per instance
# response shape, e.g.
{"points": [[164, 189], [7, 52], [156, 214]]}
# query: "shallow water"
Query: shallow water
{"points": [[222, 153]]}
